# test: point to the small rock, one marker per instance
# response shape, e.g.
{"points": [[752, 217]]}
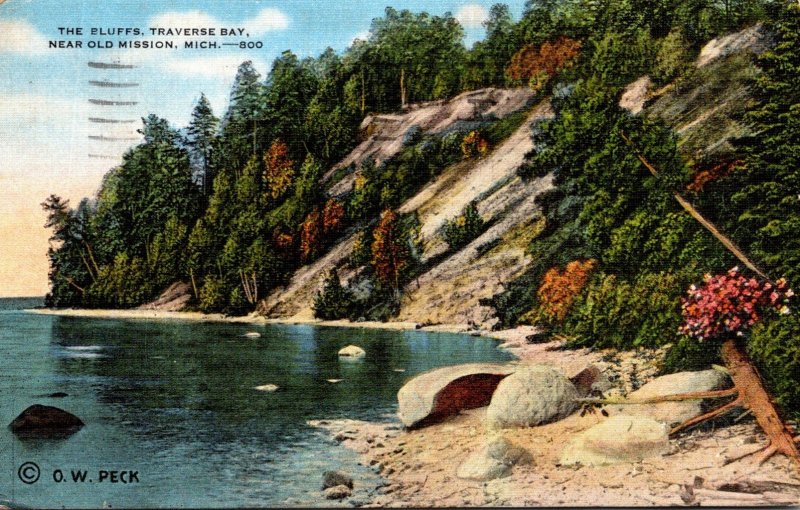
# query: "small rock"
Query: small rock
{"points": [[252, 334], [334, 478], [494, 460], [337, 492], [58, 394], [267, 387], [533, 395], [618, 439], [45, 421], [333, 381], [352, 352]]}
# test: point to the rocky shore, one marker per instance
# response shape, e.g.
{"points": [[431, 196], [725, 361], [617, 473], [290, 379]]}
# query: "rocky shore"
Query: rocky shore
{"points": [[461, 461], [430, 466]]}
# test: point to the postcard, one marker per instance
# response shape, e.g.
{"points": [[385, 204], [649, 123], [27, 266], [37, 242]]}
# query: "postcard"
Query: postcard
{"points": [[399, 253]]}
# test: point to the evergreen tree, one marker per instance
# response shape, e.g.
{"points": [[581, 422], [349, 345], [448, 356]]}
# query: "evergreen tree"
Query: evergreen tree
{"points": [[202, 132]]}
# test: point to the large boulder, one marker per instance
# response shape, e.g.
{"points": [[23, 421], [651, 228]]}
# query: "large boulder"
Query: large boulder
{"points": [[618, 439], [336, 478], [672, 413], [434, 395], [494, 460], [532, 395], [45, 421], [352, 352]]}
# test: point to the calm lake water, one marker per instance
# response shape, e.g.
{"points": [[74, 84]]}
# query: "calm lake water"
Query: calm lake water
{"points": [[175, 402]]}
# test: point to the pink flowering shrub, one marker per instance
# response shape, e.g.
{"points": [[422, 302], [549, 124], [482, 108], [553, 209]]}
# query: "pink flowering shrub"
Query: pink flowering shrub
{"points": [[730, 304]]}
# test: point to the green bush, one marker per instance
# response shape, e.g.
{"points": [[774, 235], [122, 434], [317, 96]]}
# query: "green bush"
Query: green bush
{"points": [[689, 354], [212, 294], [615, 313], [775, 348], [333, 301], [463, 228]]}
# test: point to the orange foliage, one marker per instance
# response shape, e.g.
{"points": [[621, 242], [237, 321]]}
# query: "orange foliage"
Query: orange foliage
{"points": [[279, 169], [560, 288], [536, 64], [473, 144], [310, 235], [703, 176], [390, 252], [332, 215], [283, 241]]}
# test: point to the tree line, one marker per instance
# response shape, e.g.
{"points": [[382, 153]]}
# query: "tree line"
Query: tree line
{"points": [[233, 203]]}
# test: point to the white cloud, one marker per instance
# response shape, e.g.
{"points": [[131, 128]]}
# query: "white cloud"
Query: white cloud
{"points": [[472, 15], [363, 36], [267, 20], [19, 36], [220, 66], [186, 19]]}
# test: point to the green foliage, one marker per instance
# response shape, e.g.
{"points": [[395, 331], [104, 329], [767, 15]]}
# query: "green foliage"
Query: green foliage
{"points": [[463, 228], [672, 57], [333, 301], [213, 297], [775, 348], [614, 313], [766, 193], [123, 284], [687, 354]]}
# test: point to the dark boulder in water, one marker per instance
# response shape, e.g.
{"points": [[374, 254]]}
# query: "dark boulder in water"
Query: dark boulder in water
{"points": [[335, 479], [45, 421], [58, 394]]}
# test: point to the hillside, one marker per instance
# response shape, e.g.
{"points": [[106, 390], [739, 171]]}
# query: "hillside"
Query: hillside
{"points": [[705, 109]]}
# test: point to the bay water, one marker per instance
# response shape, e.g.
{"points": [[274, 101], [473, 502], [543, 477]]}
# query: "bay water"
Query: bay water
{"points": [[174, 402]]}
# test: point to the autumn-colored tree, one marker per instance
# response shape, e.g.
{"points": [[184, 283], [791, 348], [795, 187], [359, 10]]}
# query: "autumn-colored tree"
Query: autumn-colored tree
{"points": [[390, 251], [560, 288], [706, 174], [535, 65], [283, 241], [278, 170], [332, 216], [474, 144], [310, 235]]}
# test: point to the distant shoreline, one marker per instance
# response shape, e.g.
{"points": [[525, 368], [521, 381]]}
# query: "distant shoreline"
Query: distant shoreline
{"points": [[510, 336]]}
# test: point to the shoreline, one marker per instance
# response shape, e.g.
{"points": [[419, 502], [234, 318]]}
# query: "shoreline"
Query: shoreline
{"points": [[513, 340]]}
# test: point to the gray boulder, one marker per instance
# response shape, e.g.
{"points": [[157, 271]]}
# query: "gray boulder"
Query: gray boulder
{"points": [[45, 421], [434, 395], [494, 460], [618, 439], [672, 413], [334, 478], [532, 395]]}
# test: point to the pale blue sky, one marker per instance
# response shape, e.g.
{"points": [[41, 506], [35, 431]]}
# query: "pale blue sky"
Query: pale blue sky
{"points": [[44, 109]]}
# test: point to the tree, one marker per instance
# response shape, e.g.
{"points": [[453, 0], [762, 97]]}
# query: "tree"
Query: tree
{"points": [[240, 126], [766, 216], [278, 170], [390, 250], [535, 65], [310, 233], [202, 131], [333, 301]]}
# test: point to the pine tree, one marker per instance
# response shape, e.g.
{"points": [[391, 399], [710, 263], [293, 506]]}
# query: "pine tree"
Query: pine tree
{"points": [[202, 130]]}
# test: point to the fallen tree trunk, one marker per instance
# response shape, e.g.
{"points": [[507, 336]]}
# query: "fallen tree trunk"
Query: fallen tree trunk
{"points": [[753, 396]]}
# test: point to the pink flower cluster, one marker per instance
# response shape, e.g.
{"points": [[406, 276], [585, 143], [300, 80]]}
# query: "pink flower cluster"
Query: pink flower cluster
{"points": [[730, 304]]}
